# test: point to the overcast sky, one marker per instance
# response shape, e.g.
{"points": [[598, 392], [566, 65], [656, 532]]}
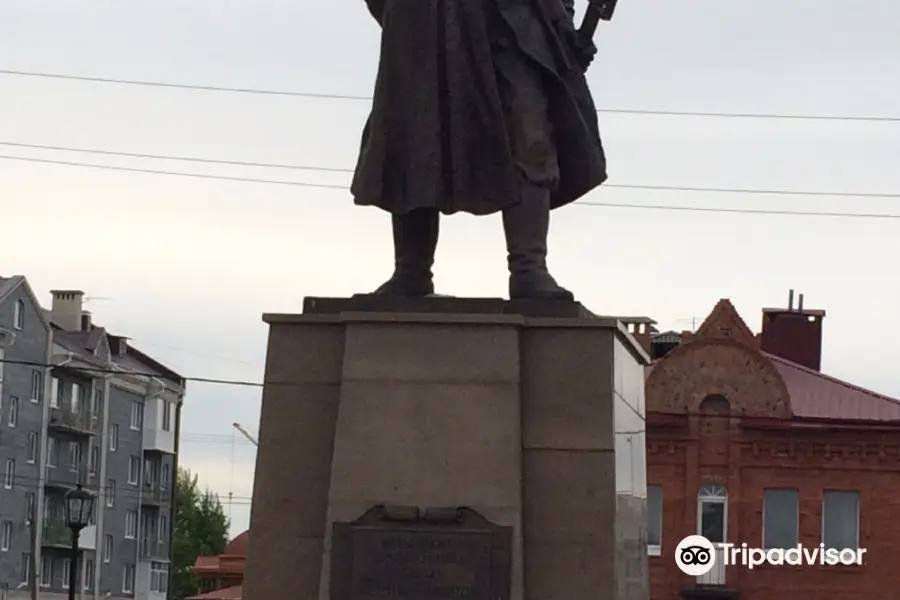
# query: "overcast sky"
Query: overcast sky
{"points": [[186, 266]]}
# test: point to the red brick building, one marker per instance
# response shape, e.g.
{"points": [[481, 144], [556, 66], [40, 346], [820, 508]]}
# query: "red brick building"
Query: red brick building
{"points": [[748, 442]]}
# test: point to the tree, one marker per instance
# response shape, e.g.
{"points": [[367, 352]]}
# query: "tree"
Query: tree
{"points": [[201, 529]]}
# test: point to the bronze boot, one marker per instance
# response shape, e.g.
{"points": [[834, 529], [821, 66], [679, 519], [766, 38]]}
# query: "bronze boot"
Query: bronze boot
{"points": [[415, 240], [526, 225]]}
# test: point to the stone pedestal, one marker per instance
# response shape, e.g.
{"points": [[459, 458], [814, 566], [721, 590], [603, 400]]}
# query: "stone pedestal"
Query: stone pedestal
{"points": [[529, 414]]}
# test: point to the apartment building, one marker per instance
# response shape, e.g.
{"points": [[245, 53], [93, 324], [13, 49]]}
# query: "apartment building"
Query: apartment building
{"points": [[81, 405]]}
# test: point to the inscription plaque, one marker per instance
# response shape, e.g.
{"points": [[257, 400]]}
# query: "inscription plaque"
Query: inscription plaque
{"points": [[407, 553]]}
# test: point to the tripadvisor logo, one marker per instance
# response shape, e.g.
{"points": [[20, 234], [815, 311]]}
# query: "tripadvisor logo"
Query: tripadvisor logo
{"points": [[695, 555]]}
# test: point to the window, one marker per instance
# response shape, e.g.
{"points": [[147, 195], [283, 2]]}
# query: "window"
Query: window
{"points": [[2, 356], [26, 567], [128, 579], [37, 386], [137, 415], [74, 456], [6, 536], [107, 548], [131, 520], [164, 478], [67, 566], [654, 519], [9, 474], [52, 451], [97, 404], [159, 577], [113, 438], [88, 574], [840, 519], [55, 392], [167, 416], [46, 571], [110, 493], [29, 507], [95, 459], [13, 411], [162, 529], [781, 518], [134, 469], [19, 314], [75, 400], [32, 447]]}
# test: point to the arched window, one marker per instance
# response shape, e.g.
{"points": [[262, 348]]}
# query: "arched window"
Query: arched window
{"points": [[715, 404]]}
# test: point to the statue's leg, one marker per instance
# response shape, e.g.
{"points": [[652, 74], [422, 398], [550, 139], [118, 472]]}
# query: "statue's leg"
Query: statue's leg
{"points": [[415, 240], [526, 224]]}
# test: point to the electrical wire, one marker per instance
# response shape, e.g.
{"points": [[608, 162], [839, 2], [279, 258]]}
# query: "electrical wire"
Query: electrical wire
{"points": [[122, 491], [325, 96], [86, 369], [856, 215]]}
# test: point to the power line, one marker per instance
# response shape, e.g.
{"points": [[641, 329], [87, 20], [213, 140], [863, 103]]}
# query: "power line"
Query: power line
{"points": [[128, 491], [267, 92], [31, 363], [582, 202]]}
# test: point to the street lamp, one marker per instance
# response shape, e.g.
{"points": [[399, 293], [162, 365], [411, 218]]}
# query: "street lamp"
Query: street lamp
{"points": [[79, 508]]}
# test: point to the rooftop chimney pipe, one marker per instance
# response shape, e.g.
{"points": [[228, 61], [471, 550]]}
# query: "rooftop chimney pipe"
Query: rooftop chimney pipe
{"points": [[800, 303], [791, 300]]}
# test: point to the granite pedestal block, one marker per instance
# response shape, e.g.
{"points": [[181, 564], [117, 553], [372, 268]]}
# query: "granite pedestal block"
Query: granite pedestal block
{"points": [[523, 418]]}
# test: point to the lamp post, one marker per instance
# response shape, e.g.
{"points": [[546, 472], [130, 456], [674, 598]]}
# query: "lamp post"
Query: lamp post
{"points": [[79, 508]]}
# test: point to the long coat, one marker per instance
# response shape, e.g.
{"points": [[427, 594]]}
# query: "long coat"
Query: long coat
{"points": [[436, 136]]}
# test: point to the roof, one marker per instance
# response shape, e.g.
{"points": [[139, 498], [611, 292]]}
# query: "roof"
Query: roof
{"points": [[815, 395], [238, 546], [230, 593], [10, 284]]}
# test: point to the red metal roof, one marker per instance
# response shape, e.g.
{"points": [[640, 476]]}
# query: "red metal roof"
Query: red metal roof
{"points": [[815, 395]]}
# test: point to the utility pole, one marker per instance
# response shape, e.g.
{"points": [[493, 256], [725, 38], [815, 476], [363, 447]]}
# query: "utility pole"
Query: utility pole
{"points": [[245, 434], [34, 576]]}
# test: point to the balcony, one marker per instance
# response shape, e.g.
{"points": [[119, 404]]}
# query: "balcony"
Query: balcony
{"points": [[154, 496], [55, 534], [63, 421], [153, 549], [61, 478]]}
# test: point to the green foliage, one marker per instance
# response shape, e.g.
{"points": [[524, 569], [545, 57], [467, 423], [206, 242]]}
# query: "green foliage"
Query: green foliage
{"points": [[201, 529]]}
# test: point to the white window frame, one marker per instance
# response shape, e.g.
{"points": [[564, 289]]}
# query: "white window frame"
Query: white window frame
{"points": [[825, 494], [107, 548], [97, 404], [6, 536], [30, 507], [55, 392], [13, 420], [26, 567], [19, 315], [137, 416], [162, 528], [166, 415], [67, 567], [128, 587], [114, 437], [9, 474], [94, 460], [46, 571], [88, 574], [37, 386], [164, 477], [763, 527], [655, 549], [131, 525], [52, 452], [2, 364], [34, 445], [74, 456], [134, 470], [75, 398], [110, 493]]}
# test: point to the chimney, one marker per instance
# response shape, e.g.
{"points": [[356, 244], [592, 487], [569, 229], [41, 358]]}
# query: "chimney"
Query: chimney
{"points": [[86, 320], [794, 334], [66, 310]]}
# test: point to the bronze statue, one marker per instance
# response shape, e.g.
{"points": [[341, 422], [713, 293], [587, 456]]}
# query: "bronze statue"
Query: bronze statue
{"points": [[480, 106]]}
